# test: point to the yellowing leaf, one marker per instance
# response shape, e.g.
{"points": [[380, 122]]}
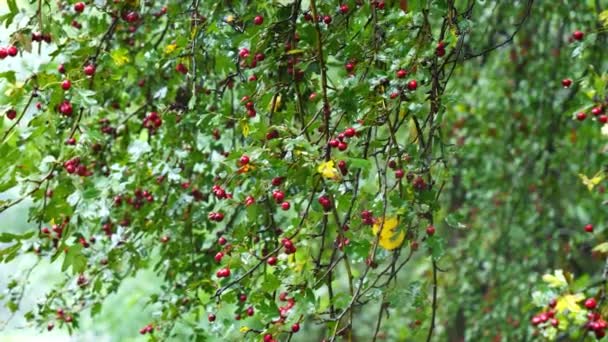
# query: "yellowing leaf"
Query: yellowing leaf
{"points": [[390, 236], [592, 182], [170, 48], [120, 57], [569, 302], [276, 100], [603, 16], [413, 131], [229, 19], [557, 280], [245, 129], [327, 170], [602, 247], [244, 329]]}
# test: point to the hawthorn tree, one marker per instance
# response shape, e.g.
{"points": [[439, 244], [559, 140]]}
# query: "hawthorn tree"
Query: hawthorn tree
{"points": [[282, 164]]}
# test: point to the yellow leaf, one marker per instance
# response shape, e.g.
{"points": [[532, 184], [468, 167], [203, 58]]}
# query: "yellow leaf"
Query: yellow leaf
{"points": [[120, 57], [557, 280], [569, 302], [602, 247], [413, 131], [390, 236], [327, 170], [245, 129], [170, 48], [276, 100], [603, 16], [592, 182], [244, 329]]}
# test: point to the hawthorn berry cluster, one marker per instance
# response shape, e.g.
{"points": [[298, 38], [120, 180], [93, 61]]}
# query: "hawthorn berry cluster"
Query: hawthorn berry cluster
{"points": [[11, 51], [74, 165]]}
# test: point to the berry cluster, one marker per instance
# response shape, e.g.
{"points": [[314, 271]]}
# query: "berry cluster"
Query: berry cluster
{"points": [[152, 121], [75, 166], [11, 51]]}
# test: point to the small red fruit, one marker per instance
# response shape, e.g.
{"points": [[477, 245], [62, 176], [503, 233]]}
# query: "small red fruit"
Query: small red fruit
{"points": [[295, 327], [589, 228], [12, 51], [350, 132], [258, 20], [412, 85], [11, 114], [603, 118], [211, 317], [401, 73], [344, 8], [79, 7], [244, 160], [430, 230], [3, 53], [219, 256], [581, 116], [578, 35], [327, 19], [250, 311], [66, 85], [89, 70], [272, 261], [591, 303], [566, 82], [596, 111], [399, 173], [221, 241], [285, 206]]}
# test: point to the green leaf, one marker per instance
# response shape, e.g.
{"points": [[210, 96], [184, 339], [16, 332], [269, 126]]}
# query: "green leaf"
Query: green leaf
{"points": [[9, 237], [360, 163], [74, 259]]}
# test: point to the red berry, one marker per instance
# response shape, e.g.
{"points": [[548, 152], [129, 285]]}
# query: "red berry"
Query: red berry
{"points": [[350, 132], [243, 297], [344, 8], [221, 241], [50, 326], [250, 311], [399, 173], [272, 261], [211, 317], [295, 327], [3, 53], [258, 20], [60, 68], [590, 303], [12, 51], [79, 7], [603, 118], [11, 114], [89, 70], [334, 143], [219, 256], [596, 111], [66, 85], [581, 116], [401, 73], [244, 160], [327, 19], [578, 35], [566, 83], [349, 67], [430, 230], [285, 206], [412, 85], [278, 196]]}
